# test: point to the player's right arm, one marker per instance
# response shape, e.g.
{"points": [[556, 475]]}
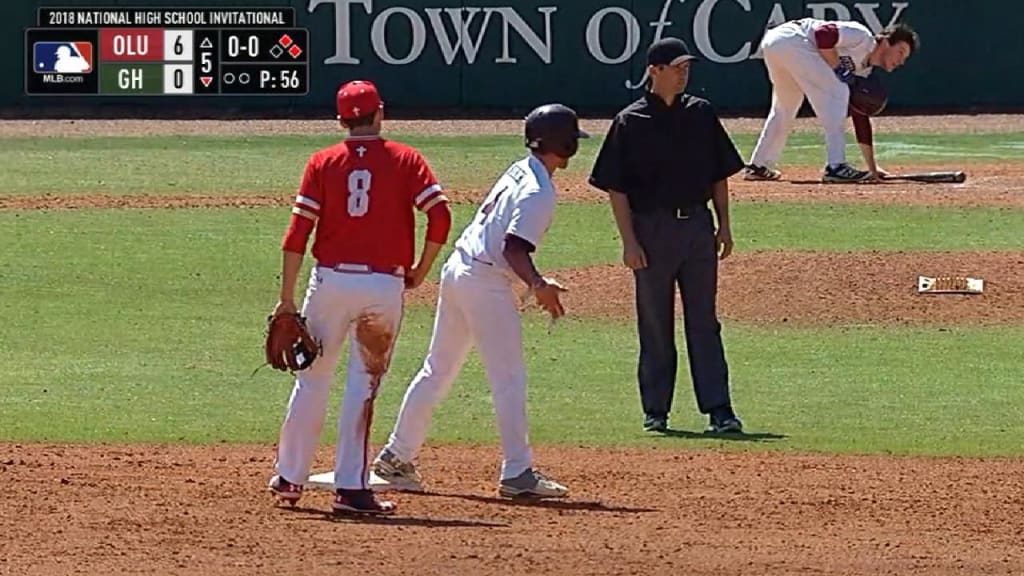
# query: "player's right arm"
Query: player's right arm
{"points": [[305, 213], [517, 253], [865, 139], [826, 38], [830, 36], [530, 220]]}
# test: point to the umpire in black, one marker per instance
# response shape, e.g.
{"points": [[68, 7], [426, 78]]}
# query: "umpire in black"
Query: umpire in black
{"points": [[664, 157]]}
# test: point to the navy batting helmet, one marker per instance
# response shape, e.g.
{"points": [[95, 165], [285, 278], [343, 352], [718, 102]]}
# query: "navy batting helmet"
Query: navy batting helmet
{"points": [[554, 128]]}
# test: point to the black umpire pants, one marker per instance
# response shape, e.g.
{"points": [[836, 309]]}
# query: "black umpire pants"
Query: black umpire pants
{"points": [[681, 251]]}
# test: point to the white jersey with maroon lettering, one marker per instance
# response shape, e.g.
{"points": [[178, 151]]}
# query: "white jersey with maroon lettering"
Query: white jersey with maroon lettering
{"points": [[477, 305], [856, 42], [521, 202], [797, 69]]}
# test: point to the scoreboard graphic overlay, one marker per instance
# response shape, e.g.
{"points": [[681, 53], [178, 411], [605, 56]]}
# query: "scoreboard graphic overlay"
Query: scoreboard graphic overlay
{"points": [[172, 51]]}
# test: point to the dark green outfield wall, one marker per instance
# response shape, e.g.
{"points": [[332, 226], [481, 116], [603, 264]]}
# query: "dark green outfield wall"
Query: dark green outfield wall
{"points": [[518, 53]]}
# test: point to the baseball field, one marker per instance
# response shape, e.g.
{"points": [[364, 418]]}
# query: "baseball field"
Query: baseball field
{"points": [[885, 427]]}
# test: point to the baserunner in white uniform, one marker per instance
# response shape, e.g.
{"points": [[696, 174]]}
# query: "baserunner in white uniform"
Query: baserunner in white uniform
{"points": [[478, 305], [819, 59]]}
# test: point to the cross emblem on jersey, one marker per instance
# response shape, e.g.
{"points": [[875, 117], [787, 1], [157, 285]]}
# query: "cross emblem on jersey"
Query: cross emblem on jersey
{"points": [[361, 150], [355, 110]]}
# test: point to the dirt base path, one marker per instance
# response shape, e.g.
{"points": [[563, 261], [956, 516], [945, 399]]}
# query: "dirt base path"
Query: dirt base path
{"points": [[1000, 185], [808, 288], [187, 511]]}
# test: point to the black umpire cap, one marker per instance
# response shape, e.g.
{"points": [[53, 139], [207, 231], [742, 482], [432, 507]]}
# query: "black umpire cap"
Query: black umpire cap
{"points": [[668, 52], [554, 128]]}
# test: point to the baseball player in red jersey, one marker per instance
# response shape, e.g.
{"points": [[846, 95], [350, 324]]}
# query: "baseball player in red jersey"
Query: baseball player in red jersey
{"points": [[359, 197]]}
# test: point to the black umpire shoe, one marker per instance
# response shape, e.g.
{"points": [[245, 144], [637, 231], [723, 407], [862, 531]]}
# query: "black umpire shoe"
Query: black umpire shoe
{"points": [[724, 420], [729, 425], [653, 423]]}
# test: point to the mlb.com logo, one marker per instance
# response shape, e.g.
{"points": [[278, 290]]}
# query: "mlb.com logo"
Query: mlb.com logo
{"points": [[62, 57]]}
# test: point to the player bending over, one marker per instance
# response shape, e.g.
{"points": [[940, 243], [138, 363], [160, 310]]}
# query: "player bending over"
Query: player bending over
{"points": [[820, 60]]}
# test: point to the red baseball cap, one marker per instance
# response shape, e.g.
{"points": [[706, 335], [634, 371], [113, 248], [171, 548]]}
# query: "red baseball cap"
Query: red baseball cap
{"points": [[358, 98]]}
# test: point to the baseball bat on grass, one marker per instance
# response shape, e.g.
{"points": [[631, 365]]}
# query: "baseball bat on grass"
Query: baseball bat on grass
{"points": [[939, 177], [953, 176]]}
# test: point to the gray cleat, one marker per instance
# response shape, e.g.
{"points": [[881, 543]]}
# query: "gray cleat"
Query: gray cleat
{"points": [[755, 173], [391, 473], [531, 484]]}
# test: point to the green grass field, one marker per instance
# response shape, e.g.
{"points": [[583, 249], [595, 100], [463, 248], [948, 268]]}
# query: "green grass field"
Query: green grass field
{"points": [[145, 325]]}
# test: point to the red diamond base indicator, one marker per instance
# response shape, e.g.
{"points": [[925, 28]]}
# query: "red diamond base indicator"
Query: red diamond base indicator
{"points": [[285, 41], [206, 80], [295, 51]]}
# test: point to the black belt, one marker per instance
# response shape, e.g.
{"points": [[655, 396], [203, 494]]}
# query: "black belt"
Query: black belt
{"points": [[683, 213], [474, 258]]}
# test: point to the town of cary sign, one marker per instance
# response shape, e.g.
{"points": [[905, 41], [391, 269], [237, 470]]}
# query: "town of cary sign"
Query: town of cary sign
{"points": [[460, 32]]}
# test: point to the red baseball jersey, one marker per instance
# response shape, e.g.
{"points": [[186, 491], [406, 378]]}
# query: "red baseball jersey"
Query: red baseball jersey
{"points": [[360, 194]]}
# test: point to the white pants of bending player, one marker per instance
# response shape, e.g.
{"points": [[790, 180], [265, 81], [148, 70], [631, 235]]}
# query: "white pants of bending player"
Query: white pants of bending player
{"points": [[796, 68], [476, 305], [340, 305]]}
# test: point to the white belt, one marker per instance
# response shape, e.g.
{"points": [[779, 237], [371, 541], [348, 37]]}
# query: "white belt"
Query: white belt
{"points": [[348, 268]]}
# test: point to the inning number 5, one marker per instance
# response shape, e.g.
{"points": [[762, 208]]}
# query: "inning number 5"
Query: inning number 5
{"points": [[359, 192]]}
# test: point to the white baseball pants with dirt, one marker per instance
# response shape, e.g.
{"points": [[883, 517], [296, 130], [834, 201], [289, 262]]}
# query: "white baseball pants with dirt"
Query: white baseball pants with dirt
{"points": [[476, 305], [365, 308], [796, 69]]}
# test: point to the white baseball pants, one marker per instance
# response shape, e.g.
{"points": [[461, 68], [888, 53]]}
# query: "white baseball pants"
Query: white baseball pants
{"points": [[796, 69], [367, 309], [476, 305]]}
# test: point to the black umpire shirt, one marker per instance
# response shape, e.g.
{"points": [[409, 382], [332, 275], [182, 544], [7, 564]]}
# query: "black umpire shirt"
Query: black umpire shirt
{"points": [[665, 157]]}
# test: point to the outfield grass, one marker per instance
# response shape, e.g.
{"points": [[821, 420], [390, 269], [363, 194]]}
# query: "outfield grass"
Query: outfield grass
{"points": [[273, 164], [238, 249], [145, 325], [170, 375]]}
